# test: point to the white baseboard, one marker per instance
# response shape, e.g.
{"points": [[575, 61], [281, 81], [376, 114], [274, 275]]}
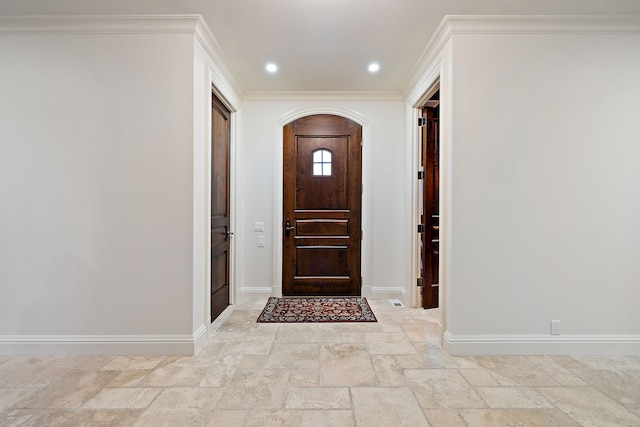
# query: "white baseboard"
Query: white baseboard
{"points": [[255, 293], [389, 292], [200, 338], [476, 345], [103, 344]]}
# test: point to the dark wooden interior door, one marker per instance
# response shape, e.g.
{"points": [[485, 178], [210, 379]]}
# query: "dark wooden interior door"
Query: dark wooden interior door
{"points": [[322, 206], [430, 218], [220, 233]]}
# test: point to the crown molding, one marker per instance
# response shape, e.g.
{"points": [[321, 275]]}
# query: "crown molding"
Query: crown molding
{"points": [[541, 24], [224, 76], [323, 96], [229, 87], [100, 24], [514, 24]]}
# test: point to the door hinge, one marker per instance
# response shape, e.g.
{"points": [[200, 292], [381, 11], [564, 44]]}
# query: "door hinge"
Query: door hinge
{"points": [[421, 228], [422, 121], [420, 174], [420, 282]]}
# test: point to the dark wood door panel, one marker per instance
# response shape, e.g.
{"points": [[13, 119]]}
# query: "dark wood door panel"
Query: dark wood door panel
{"points": [[322, 192], [219, 293], [322, 206], [220, 218], [323, 286], [319, 260], [430, 245], [322, 227]]}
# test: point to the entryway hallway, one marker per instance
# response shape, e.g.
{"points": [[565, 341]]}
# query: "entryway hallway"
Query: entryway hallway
{"points": [[389, 373]]}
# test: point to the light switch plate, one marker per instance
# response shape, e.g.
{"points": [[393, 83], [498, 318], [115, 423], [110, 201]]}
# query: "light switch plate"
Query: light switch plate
{"points": [[260, 241], [258, 226]]}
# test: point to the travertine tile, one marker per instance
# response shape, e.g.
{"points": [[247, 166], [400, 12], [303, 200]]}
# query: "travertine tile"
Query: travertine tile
{"points": [[353, 337], [129, 378], [20, 417], [388, 370], [442, 389], [444, 418], [309, 333], [410, 361], [227, 418], [64, 364], [619, 385], [218, 372], [419, 332], [383, 406], [204, 398], [556, 371], [265, 389], [389, 343], [164, 417], [24, 371], [391, 328], [516, 417], [122, 398], [590, 407], [345, 365], [318, 398], [304, 378], [241, 343], [567, 362], [253, 361], [435, 358], [96, 418], [393, 372], [294, 356], [479, 377], [245, 321], [300, 418], [71, 391], [11, 396], [123, 363], [513, 397], [359, 327], [178, 373], [609, 362], [516, 371]]}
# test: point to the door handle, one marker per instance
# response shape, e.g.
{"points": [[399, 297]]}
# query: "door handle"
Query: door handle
{"points": [[288, 227], [229, 233]]}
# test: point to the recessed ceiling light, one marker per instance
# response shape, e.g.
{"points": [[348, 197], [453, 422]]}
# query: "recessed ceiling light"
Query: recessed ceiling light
{"points": [[374, 67], [271, 67]]}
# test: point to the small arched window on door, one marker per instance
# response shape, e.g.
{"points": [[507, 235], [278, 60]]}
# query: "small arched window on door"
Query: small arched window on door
{"points": [[322, 163]]}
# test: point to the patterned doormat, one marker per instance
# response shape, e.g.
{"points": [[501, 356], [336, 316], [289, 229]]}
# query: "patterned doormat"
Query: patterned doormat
{"points": [[315, 310]]}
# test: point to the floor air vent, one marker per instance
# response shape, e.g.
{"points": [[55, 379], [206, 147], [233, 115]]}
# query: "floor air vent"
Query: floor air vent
{"points": [[396, 303]]}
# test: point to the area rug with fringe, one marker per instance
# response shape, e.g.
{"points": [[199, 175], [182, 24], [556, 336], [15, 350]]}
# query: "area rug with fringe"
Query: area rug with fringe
{"points": [[316, 310]]}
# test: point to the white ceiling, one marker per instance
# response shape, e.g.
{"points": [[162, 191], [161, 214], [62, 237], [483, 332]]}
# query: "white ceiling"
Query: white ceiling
{"points": [[322, 45]]}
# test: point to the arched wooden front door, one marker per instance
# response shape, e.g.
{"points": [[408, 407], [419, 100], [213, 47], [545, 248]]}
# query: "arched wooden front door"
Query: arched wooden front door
{"points": [[322, 208]]}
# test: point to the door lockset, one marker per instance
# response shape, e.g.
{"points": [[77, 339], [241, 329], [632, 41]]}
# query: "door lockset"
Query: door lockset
{"points": [[288, 227]]}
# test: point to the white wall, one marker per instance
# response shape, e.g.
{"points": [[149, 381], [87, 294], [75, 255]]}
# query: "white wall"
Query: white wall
{"points": [[96, 182], [544, 186], [387, 245]]}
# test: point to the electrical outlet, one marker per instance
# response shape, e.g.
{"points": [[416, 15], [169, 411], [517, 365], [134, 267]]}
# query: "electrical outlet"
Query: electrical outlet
{"points": [[258, 226], [555, 327]]}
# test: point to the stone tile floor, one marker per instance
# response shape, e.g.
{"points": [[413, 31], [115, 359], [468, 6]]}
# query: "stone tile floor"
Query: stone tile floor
{"points": [[390, 373]]}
